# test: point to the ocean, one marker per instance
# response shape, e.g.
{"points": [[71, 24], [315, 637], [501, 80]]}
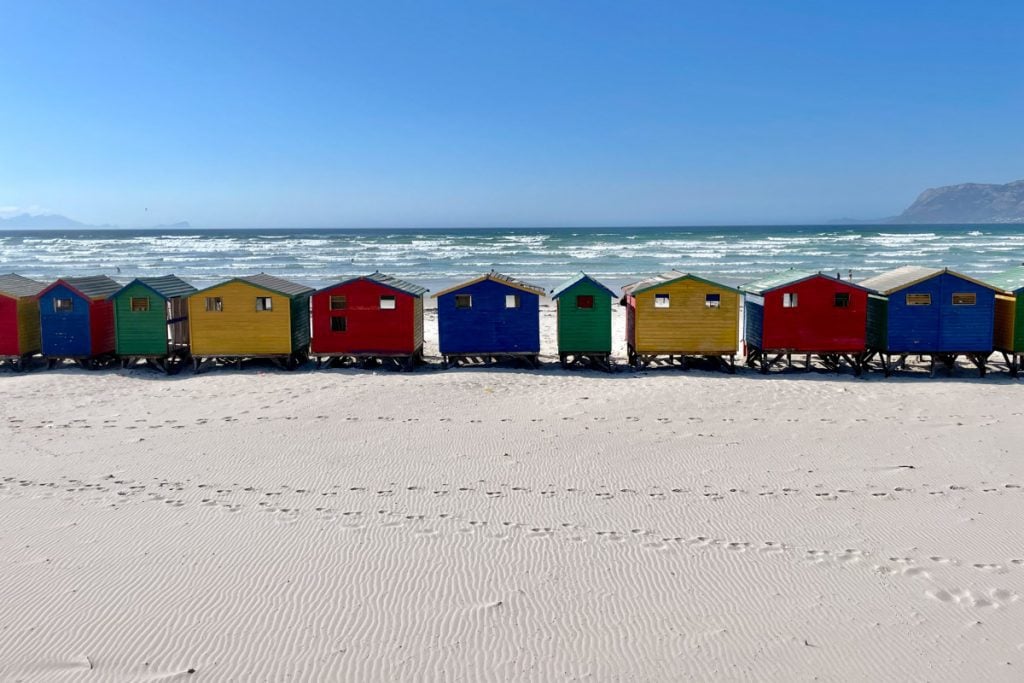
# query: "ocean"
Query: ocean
{"points": [[437, 258]]}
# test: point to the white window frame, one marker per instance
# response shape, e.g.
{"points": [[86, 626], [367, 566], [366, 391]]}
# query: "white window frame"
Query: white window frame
{"points": [[511, 301], [264, 303], [790, 300], [712, 303], [388, 302], [662, 301]]}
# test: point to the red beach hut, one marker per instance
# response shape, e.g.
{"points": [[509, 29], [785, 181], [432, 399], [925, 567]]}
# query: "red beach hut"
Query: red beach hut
{"points": [[374, 318], [811, 314]]}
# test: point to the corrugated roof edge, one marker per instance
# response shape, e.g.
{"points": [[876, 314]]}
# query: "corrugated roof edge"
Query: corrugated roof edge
{"points": [[69, 282], [656, 281], [389, 281], [936, 273], [186, 290], [1009, 281], [246, 280], [573, 281], [18, 286], [759, 287], [500, 278]]}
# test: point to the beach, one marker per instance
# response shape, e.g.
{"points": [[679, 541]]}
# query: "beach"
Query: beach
{"points": [[509, 524]]}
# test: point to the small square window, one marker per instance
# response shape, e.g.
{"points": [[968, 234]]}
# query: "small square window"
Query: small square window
{"points": [[139, 304], [789, 299], [968, 299], [919, 299], [511, 301], [463, 301], [63, 305], [661, 301], [264, 303], [388, 303], [339, 303], [339, 323], [842, 300], [214, 304], [585, 301], [713, 300]]}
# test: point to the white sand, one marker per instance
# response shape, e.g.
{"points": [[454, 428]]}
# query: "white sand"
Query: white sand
{"points": [[494, 525]]}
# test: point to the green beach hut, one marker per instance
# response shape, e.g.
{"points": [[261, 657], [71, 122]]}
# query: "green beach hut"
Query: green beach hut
{"points": [[1009, 319], [584, 308], [151, 322]]}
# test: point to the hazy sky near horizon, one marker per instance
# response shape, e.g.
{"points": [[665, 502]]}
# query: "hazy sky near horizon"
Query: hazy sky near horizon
{"points": [[502, 113]]}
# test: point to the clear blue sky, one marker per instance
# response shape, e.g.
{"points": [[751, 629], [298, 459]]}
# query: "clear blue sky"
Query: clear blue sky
{"points": [[492, 113]]}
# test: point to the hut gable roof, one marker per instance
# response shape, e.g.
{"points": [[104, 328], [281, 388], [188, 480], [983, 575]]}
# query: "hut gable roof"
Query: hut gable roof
{"points": [[276, 284], [668, 278], [1009, 281], [93, 287], [495, 276], [573, 281], [385, 280], [788, 278], [17, 286], [268, 282], [167, 287], [907, 276]]}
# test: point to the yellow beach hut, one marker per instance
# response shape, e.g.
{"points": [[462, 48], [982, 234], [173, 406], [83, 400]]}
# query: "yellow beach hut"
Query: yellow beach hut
{"points": [[259, 316], [673, 317]]}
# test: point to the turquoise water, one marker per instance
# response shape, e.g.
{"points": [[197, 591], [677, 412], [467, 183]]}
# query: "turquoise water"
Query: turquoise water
{"points": [[437, 257]]}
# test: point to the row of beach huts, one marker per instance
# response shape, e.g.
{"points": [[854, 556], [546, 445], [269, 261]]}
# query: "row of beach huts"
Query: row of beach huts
{"points": [[674, 318]]}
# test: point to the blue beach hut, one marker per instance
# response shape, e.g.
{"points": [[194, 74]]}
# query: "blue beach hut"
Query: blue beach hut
{"points": [[932, 312], [76, 320], [490, 317]]}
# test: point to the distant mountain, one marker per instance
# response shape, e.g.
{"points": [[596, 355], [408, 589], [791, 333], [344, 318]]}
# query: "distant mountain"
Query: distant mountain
{"points": [[173, 226], [50, 221], [968, 203]]}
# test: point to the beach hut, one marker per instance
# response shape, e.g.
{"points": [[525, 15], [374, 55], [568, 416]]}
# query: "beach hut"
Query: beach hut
{"points": [[151, 322], [76, 319], [368, 319], [933, 312], [19, 319], [259, 316], [584, 313], [490, 317], [674, 317], [1008, 336], [798, 312]]}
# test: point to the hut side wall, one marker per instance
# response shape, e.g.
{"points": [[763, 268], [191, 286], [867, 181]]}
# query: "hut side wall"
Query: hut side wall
{"points": [[369, 329], [583, 330], [1004, 337], [878, 322], [299, 309], [10, 342], [815, 323], [68, 333], [29, 341], [140, 333], [239, 330], [101, 327], [687, 326], [489, 327], [753, 321], [417, 322]]}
